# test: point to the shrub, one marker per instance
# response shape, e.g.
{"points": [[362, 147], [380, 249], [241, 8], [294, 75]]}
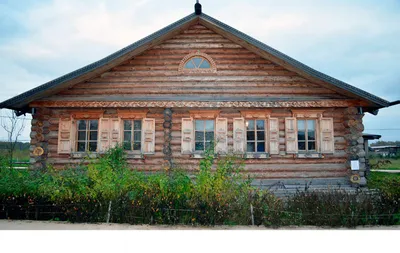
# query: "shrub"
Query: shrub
{"points": [[217, 194], [337, 208]]}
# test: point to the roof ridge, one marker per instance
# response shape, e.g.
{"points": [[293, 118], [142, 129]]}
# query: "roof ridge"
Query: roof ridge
{"points": [[11, 103]]}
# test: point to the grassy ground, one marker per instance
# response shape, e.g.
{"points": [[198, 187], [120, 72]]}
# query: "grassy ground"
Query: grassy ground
{"points": [[376, 179], [393, 165]]}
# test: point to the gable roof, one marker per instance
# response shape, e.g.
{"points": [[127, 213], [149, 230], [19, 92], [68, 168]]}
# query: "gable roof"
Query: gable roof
{"points": [[21, 102]]}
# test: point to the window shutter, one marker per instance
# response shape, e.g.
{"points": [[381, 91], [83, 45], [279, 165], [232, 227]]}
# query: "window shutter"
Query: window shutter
{"points": [[149, 134], [104, 130], [115, 129], [238, 135], [222, 135], [65, 136], [291, 135], [327, 139], [187, 136], [274, 136]]}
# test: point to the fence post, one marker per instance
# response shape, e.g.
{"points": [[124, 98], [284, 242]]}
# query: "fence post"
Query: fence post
{"points": [[109, 212], [252, 214]]}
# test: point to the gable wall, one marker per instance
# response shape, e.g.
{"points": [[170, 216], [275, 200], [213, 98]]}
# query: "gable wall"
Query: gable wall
{"points": [[155, 74]]}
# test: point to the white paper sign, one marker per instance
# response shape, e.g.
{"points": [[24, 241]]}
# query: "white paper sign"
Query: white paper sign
{"points": [[355, 165]]}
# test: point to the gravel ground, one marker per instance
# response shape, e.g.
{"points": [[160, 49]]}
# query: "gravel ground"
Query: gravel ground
{"points": [[54, 225]]}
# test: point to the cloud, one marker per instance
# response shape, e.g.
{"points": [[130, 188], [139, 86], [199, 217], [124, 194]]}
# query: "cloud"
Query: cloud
{"points": [[354, 41]]}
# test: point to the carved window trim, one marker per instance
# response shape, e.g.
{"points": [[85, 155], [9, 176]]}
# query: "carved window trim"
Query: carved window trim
{"points": [[212, 69], [310, 114]]}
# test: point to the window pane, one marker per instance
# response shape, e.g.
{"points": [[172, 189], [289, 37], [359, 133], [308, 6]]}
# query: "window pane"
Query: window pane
{"points": [[311, 135], [189, 65], [251, 147], [127, 145], [209, 145], [127, 136], [209, 136], [127, 125], [209, 125], [197, 61], [199, 125], [81, 147], [199, 136], [199, 146], [302, 146], [311, 124], [205, 64], [93, 135], [137, 125], [260, 135], [137, 146], [82, 124], [94, 124], [260, 146], [137, 136], [301, 135], [92, 146], [260, 124], [250, 125], [81, 135], [250, 136], [301, 125], [311, 145]]}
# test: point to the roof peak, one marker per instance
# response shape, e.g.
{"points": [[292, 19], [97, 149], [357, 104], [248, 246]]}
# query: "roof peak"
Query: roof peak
{"points": [[197, 8]]}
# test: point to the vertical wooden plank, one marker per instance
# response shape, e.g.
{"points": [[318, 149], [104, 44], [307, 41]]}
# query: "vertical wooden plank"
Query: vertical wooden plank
{"points": [[104, 138], [291, 135], [187, 141], [327, 139], [65, 135], [115, 128], [274, 136], [239, 132], [222, 135], [148, 135]]}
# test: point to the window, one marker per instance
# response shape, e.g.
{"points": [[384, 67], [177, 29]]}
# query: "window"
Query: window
{"points": [[204, 134], [306, 135], [133, 135], [197, 63], [255, 132], [87, 135]]}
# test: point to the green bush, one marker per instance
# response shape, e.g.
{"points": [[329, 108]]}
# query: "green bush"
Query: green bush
{"points": [[217, 194], [337, 208]]}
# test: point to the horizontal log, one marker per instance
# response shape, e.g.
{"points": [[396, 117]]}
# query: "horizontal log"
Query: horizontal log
{"points": [[198, 90], [203, 78]]}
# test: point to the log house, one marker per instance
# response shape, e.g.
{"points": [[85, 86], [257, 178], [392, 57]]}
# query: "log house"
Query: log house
{"points": [[168, 97]]}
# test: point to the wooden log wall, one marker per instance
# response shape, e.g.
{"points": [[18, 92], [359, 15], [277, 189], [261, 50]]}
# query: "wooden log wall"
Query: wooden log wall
{"points": [[282, 166], [154, 74]]}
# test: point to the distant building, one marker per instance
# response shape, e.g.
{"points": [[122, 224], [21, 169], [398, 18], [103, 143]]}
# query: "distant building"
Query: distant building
{"points": [[386, 151]]}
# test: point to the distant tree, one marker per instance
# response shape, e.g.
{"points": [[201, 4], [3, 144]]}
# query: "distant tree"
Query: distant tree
{"points": [[14, 127], [385, 143]]}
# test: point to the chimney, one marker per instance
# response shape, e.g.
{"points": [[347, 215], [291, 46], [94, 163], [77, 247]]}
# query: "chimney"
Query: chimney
{"points": [[197, 8]]}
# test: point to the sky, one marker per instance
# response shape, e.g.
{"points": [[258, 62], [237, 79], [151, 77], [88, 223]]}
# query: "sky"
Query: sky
{"points": [[355, 41]]}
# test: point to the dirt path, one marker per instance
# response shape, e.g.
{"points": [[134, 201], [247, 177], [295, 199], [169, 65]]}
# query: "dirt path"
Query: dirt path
{"points": [[54, 225]]}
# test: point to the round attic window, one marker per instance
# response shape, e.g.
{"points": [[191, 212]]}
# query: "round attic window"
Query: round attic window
{"points": [[197, 62]]}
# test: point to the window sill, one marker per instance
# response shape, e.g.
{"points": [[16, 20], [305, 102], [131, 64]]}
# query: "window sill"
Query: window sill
{"points": [[201, 155], [256, 156], [130, 155], [80, 155], [310, 156]]}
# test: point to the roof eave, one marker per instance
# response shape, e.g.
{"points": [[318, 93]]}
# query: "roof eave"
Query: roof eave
{"points": [[21, 101], [376, 102]]}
